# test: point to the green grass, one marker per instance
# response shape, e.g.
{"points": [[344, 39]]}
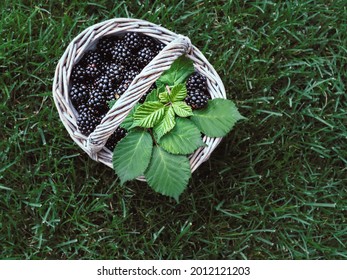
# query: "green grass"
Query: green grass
{"points": [[275, 188]]}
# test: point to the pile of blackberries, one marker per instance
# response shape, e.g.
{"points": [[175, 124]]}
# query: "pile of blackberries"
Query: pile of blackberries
{"points": [[105, 73]]}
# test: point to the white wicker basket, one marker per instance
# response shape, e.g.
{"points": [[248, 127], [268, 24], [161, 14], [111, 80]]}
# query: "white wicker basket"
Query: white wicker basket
{"points": [[176, 45]]}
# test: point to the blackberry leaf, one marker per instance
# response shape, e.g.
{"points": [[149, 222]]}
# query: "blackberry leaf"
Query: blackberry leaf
{"points": [[177, 73], [163, 175], [178, 93], [149, 114], [154, 94], [183, 139], [218, 118], [166, 124], [128, 122], [164, 97], [182, 109], [132, 155]]}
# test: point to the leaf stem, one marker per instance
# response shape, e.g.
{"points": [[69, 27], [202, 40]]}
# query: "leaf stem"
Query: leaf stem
{"points": [[153, 138], [169, 93]]}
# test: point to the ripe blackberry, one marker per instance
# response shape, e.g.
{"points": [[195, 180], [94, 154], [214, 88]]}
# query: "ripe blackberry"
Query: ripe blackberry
{"points": [[148, 42], [104, 83], [196, 81], [123, 86], [79, 94], [143, 97], [112, 95], [196, 99], [133, 61], [145, 55], [79, 74], [83, 108], [91, 57], [152, 43], [158, 47], [132, 40], [115, 138], [87, 121], [106, 86], [92, 71], [92, 61], [114, 71], [105, 46], [131, 73], [97, 101], [129, 76], [120, 52]]}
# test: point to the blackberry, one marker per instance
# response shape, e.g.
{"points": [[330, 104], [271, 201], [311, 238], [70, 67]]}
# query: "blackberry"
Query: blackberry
{"points": [[120, 52], [114, 71], [196, 99], [92, 71], [112, 95], [92, 61], [143, 97], [158, 47], [133, 61], [106, 86], [105, 46], [79, 93], [102, 116], [196, 81], [145, 55], [124, 85], [132, 40], [88, 68], [97, 101], [152, 43], [129, 76], [87, 121], [104, 83], [83, 108], [197, 92], [115, 138], [79, 74], [91, 57], [131, 73], [148, 42]]}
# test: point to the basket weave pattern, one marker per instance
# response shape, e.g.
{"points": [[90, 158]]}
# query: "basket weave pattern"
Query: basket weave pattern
{"points": [[176, 45]]}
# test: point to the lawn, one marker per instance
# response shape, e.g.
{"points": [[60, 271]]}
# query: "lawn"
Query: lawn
{"points": [[275, 188]]}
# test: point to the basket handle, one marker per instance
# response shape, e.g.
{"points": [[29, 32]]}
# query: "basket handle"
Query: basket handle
{"points": [[139, 86]]}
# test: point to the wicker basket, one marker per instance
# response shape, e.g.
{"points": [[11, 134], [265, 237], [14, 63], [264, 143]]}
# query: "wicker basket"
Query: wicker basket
{"points": [[176, 45]]}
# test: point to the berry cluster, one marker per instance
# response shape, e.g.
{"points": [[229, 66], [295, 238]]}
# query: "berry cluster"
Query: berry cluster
{"points": [[105, 73], [197, 93]]}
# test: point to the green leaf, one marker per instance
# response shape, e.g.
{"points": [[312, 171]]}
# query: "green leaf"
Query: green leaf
{"points": [[177, 73], [166, 124], [218, 118], [129, 119], [168, 174], [153, 95], [132, 155], [164, 97], [182, 109], [184, 138], [178, 93], [149, 114]]}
